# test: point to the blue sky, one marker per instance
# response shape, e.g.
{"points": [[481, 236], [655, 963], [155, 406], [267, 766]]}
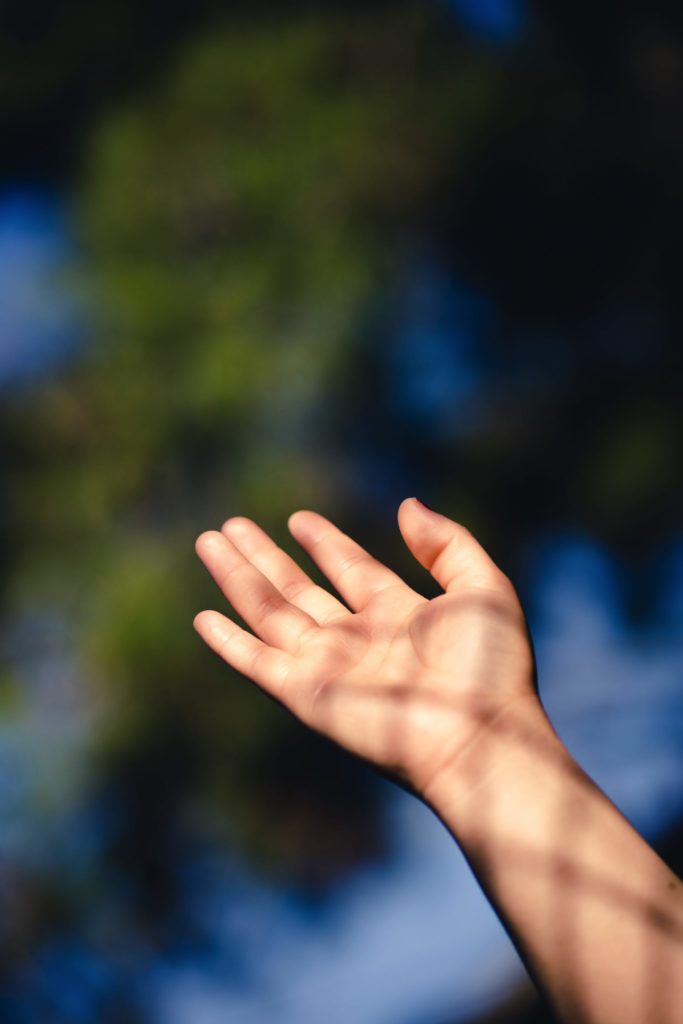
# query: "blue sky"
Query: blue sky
{"points": [[39, 311], [495, 19]]}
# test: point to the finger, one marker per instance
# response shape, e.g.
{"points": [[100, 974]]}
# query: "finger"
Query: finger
{"points": [[252, 596], [446, 549], [266, 666], [354, 573], [282, 571]]}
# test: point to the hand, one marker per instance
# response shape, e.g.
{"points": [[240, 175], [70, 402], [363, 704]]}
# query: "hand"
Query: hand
{"points": [[404, 682]]}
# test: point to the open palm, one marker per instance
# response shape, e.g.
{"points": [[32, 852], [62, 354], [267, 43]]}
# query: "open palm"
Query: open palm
{"points": [[400, 680]]}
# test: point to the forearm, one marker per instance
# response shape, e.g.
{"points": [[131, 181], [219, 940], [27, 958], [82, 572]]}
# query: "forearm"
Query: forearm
{"points": [[594, 912]]}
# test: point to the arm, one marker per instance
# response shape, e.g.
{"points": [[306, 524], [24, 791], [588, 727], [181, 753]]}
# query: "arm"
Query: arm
{"points": [[594, 913], [442, 693]]}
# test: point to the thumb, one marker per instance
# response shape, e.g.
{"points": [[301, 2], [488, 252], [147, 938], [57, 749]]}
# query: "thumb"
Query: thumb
{"points": [[446, 549]]}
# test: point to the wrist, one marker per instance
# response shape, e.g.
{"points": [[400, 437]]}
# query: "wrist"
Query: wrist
{"points": [[518, 742]]}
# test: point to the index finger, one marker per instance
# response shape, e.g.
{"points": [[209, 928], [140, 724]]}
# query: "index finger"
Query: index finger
{"points": [[354, 573]]}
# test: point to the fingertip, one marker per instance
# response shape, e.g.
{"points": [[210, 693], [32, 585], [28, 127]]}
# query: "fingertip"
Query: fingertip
{"points": [[413, 504], [423, 506], [235, 525], [207, 540], [296, 521], [209, 623], [199, 620], [409, 503]]}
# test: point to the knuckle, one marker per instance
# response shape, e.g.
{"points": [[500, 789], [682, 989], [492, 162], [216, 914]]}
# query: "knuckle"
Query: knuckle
{"points": [[294, 588], [349, 562], [232, 571], [226, 643], [256, 658], [443, 556], [324, 538], [268, 604]]}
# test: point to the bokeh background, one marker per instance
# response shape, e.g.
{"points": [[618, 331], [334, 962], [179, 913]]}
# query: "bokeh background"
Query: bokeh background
{"points": [[257, 257]]}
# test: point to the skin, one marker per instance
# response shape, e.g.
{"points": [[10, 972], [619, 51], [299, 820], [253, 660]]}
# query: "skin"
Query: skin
{"points": [[441, 693]]}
